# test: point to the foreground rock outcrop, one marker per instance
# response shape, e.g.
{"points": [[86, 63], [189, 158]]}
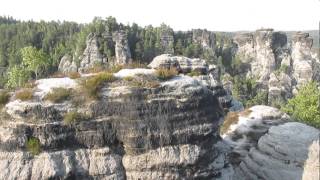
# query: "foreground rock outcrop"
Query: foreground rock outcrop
{"points": [[266, 145], [287, 151], [130, 132]]}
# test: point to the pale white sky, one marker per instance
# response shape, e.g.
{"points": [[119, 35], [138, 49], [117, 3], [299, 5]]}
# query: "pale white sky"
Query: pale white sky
{"points": [[219, 15]]}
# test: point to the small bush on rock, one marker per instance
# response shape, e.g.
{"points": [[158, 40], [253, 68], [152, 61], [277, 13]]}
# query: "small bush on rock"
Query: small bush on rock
{"points": [[33, 145], [305, 106], [230, 119], [73, 116], [92, 84], [165, 74], [58, 95], [24, 94]]}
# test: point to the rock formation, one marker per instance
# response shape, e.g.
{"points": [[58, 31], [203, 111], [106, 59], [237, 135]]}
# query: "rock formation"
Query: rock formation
{"points": [[280, 67], [305, 67], [91, 56], [168, 132], [260, 51], [167, 40], [123, 54], [66, 65], [205, 38]]}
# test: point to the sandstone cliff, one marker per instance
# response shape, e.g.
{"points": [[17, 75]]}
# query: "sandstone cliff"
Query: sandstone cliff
{"points": [[130, 132]]}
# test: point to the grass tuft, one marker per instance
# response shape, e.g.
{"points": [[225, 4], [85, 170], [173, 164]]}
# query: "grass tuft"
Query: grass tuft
{"points": [[24, 94], [165, 74], [33, 146], [73, 116], [92, 84], [58, 95]]}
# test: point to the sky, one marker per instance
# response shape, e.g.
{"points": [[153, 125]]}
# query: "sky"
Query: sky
{"points": [[216, 15]]}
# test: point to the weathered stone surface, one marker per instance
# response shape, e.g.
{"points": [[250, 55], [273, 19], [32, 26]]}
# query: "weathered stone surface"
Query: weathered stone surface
{"points": [[66, 164], [91, 56], [123, 54], [287, 151], [182, 64], [280, 87], [251, 124]]}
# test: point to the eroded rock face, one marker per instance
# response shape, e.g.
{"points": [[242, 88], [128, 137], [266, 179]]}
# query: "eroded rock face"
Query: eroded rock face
{"points": [[261, 51], [286, 152], [279, 66], [305, 66], [123, 54], [91, 56], [149, 133]]}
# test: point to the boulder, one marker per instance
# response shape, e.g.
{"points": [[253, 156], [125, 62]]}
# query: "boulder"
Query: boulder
{"points": [[181, 63], [66, 65]]}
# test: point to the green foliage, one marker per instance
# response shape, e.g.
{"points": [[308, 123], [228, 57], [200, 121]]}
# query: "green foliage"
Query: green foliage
{"points": [[58, 95], [92, 84], [33, 59], [165, 74], [17, 77], [33, 146], [259, 99], [73, 116], [305, 106], [4, 97], [24, 94]]}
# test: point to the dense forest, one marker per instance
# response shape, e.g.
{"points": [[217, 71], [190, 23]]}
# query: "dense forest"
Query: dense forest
{"points": [[56, 39]]}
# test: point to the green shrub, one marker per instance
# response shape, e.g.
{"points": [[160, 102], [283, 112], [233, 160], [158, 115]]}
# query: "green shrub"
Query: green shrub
{"points": [[165, 74], [33, 146], [259, 99], [92, 84], [305, 106], [4, 98], [24, 94], [58, 95], [194, 73], [128, 78], [73, 116]]}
